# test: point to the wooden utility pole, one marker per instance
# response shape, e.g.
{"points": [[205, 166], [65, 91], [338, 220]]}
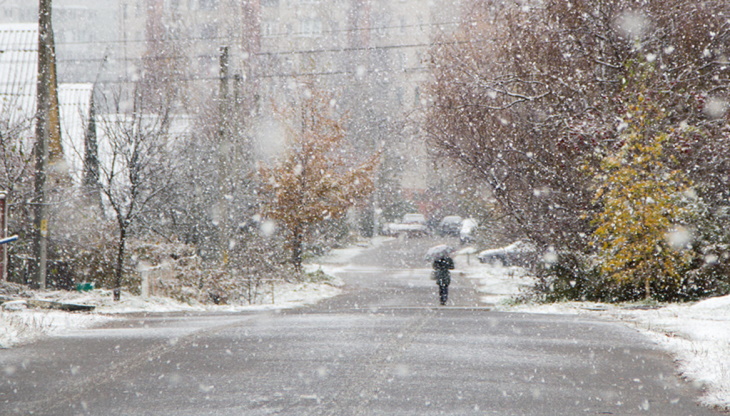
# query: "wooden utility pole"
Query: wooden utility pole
{"points": [[3, 235], [46, 126], [90, 182], [223, 104], [223, 143]]}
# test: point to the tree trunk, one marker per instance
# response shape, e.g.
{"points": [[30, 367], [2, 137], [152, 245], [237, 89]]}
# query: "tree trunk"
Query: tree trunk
{"points": [[118, 271], [296, 251]]}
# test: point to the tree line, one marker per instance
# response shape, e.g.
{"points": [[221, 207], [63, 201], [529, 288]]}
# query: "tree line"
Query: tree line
{"points": [[184, 190], [601, 129]]}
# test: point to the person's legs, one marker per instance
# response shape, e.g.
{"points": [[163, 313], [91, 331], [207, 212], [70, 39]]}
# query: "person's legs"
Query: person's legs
{"points": [[443, 293]]}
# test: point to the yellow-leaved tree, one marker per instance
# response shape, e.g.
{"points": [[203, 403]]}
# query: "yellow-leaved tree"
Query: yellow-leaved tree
{"points": [[316, 179], [640, 195]]}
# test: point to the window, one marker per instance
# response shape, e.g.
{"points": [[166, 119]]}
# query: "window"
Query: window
{"points": [[209, 31], [208, 4], [381, 23], [269, 28], [310, 27]]}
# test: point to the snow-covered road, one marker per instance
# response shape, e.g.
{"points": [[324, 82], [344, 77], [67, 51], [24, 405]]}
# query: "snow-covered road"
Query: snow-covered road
{"points": [[381, 347]]}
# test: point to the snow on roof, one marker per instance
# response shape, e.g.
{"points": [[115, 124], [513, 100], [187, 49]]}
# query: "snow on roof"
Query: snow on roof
{"points": [[18, 72], [18, 75], [74, 101]]}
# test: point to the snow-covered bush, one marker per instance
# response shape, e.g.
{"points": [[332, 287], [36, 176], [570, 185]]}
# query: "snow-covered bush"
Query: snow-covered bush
{"points": [[175, 270], [578, 277], [570, 277]]}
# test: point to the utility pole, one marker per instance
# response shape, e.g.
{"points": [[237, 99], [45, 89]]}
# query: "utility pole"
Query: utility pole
{"points": [[224, 146], [3, 235], [91, 189], [44, 98], [223, 104]]}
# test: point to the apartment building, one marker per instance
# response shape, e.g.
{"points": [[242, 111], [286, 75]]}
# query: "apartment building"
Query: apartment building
{"points": [[369, 53], [86, 33]]}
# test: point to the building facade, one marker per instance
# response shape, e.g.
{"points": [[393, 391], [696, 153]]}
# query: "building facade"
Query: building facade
{"points": [[370, 54]]}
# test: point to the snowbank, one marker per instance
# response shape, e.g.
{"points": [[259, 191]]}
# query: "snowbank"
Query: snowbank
{"points": [[496, 283], [696, 334], [20, 324]]}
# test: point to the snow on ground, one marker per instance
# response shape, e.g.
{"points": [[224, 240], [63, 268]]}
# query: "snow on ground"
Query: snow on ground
{"points": [[497, 283], [339, 259], [696, 334], [23, 325], [20, 324]]}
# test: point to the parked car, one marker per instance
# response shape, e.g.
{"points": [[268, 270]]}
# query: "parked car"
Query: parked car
{"points": [[468, 228], [517, 253], [414, 218], [450, 225], [411, 225]]}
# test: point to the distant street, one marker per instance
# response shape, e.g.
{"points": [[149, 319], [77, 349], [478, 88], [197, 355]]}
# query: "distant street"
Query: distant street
{"points": [[384, 347]]}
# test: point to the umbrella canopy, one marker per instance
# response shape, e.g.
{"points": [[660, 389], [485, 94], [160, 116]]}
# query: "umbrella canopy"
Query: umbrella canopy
{"points": [[441, 250]]}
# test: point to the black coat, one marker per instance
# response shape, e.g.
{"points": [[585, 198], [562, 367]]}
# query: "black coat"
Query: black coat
{"points": [[442, 265]]}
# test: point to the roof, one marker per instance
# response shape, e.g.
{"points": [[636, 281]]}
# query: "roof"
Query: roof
{"points": [[18, 75], [18, 72], [74, 102]]}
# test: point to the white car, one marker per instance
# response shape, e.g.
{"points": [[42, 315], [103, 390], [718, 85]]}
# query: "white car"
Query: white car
{"points": [[513, 254], [407, 229], [450, 225], [468, 228], [414, 218], [412, 225]]}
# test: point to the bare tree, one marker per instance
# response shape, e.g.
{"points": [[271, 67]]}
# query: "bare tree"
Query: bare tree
{"points": [[136, 170], [16, 177], [522, 97], [15, 156], [531, 99]]}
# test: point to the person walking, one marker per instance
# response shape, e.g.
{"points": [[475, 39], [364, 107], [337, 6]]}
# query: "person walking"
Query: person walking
{"points": [[441, 267]]}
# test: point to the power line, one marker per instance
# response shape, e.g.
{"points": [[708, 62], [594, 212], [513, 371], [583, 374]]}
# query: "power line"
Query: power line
{"points": [[267, 53], [295, 34], [348, 49], [280, 75], [268, 76]]}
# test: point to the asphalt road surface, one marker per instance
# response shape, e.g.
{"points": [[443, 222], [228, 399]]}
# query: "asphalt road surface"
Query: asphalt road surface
{"points": [[384, 347]]}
